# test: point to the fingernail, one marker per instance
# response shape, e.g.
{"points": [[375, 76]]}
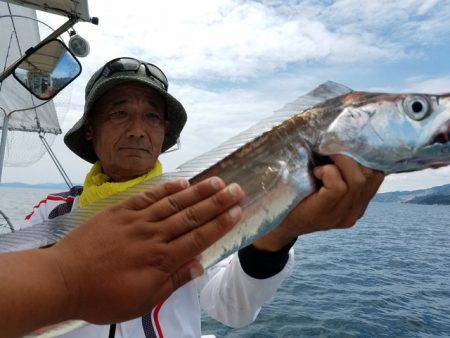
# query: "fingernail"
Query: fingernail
{"points": [[183, 183], [215, 183], [233, 189], [235, 213], [196, 271]]}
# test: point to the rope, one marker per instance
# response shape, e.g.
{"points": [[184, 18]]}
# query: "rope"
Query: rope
{"points": [[6, 58]]}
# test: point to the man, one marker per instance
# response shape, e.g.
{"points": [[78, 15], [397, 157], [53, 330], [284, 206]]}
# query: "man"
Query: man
{"points": [[41, 287], [129, 119]]}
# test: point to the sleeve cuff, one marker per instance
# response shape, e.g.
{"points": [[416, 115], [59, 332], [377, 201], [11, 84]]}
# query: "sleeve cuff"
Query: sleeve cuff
{"points": [[263, 264]]}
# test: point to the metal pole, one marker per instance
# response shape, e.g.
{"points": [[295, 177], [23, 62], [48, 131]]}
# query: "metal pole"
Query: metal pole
{"points": [[65, 26], [7, 221], [7, 55], [56, 162], [14, 28], [3, 142]]}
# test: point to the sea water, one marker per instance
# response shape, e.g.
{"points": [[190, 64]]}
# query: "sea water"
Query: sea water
{"points": [[16, 203], [387, 276]]}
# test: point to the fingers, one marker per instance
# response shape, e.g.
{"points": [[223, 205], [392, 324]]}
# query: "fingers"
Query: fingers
{"points": [[179, 201], [154, 194], [362, 185], [348, 187], [356, 182], [195, 242], [347, 190], [351, 172], [334, 187], [204, 211]]}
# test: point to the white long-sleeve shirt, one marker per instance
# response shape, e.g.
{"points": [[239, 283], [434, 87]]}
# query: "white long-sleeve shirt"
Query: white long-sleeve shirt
{"points": [[225, 291]]}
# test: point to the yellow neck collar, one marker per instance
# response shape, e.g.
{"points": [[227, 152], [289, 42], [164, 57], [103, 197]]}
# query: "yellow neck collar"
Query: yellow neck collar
{"points": [[97, 187]]}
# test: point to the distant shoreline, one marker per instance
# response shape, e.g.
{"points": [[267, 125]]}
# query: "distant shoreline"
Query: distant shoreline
{"points": [[18, 185], [439, 195]]}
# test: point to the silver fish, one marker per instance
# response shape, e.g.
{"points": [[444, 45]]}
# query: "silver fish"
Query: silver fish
{"points": [[272, 160]]}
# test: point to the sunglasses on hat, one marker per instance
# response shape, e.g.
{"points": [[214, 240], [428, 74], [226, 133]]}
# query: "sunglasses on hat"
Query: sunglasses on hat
{"points": [[130, 64]]}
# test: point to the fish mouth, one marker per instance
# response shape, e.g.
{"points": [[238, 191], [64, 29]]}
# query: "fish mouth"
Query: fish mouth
{"points": [[433, 154], [442, 136]]}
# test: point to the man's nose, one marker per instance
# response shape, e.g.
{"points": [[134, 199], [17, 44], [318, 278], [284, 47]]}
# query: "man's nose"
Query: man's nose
{"points": [[136, 128]]}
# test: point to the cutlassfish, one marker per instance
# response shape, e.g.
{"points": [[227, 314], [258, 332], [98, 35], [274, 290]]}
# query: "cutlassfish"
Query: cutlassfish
{"points": [[272, 161]]}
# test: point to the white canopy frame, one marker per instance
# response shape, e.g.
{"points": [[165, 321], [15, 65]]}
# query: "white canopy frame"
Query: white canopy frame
{"points": [[68, 8], [75, 10]]}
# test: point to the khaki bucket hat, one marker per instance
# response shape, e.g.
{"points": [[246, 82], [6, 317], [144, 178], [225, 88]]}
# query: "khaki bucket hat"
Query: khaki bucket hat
{"points": [[113, 73]]}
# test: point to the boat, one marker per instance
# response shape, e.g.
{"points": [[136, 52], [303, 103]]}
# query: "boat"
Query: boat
{"points": [[34, 71]]}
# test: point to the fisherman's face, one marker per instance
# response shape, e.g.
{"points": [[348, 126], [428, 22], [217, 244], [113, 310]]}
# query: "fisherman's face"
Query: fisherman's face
{"points": [[127, 130]]}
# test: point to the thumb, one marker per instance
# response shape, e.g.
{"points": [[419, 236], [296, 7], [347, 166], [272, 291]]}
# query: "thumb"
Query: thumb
{"points": [[332, 190]]}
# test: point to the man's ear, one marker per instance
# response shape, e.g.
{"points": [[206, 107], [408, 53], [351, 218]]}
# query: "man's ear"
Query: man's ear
{"points": [[88, 131]]}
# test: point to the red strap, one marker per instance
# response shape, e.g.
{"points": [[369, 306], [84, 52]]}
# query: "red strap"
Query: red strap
{"points": [[155, 317], [49, 198]]}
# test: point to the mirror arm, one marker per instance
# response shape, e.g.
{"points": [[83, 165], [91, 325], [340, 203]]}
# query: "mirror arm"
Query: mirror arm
{"points": [[64, 27]]}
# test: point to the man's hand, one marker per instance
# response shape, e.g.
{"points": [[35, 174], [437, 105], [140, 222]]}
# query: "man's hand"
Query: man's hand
{"points": [[342, 200], [131, 256]]}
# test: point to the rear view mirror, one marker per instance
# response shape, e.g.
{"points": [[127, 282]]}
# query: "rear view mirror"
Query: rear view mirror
{"points": [[48, 70]]}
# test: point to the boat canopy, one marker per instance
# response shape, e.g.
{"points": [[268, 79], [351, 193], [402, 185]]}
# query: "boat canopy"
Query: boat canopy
{"points": [[45, 59], [26, 112], [69, 8]]}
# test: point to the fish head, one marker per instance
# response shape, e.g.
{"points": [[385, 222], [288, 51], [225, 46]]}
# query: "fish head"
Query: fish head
{"points": [[390, 133]]}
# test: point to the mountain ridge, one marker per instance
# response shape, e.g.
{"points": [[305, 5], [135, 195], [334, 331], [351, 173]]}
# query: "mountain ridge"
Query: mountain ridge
{"points": [[435, 195], [34, 186]]}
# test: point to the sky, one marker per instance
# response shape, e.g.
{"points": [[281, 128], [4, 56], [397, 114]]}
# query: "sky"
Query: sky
{"points": [[233, 62]]}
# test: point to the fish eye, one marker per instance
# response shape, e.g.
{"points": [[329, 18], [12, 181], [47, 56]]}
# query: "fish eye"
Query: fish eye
{"points": [[416, 107]]}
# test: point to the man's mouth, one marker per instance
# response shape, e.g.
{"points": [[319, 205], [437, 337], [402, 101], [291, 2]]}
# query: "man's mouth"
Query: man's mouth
{"points": [[137, 149], [443, 134]]}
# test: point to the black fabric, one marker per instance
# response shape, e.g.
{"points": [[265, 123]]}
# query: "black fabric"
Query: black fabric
{"points": [[112, 331], [60, 210], [261, 264], [65, 208], [147, 325], [74, 191]]}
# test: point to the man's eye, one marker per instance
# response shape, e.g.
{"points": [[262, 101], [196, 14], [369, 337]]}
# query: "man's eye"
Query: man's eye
{"points": [[153, 116], [118, 114]]}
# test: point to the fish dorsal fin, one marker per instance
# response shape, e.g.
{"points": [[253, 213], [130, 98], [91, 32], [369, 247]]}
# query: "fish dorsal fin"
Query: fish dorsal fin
{"points": [[323, 92]]}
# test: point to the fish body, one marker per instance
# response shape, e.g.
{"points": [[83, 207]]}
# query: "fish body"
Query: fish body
{"points": [[386, 132], [272, 161]]}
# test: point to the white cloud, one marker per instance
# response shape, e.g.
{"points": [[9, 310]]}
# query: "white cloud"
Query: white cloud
{"points": [[426, 6], [417, 180], [424, 84], [215, 116], [229, 38], [251, 47], [402, 23]]}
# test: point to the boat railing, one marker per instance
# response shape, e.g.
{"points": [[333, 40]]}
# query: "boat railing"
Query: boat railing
{"points": [[5, 223]]}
